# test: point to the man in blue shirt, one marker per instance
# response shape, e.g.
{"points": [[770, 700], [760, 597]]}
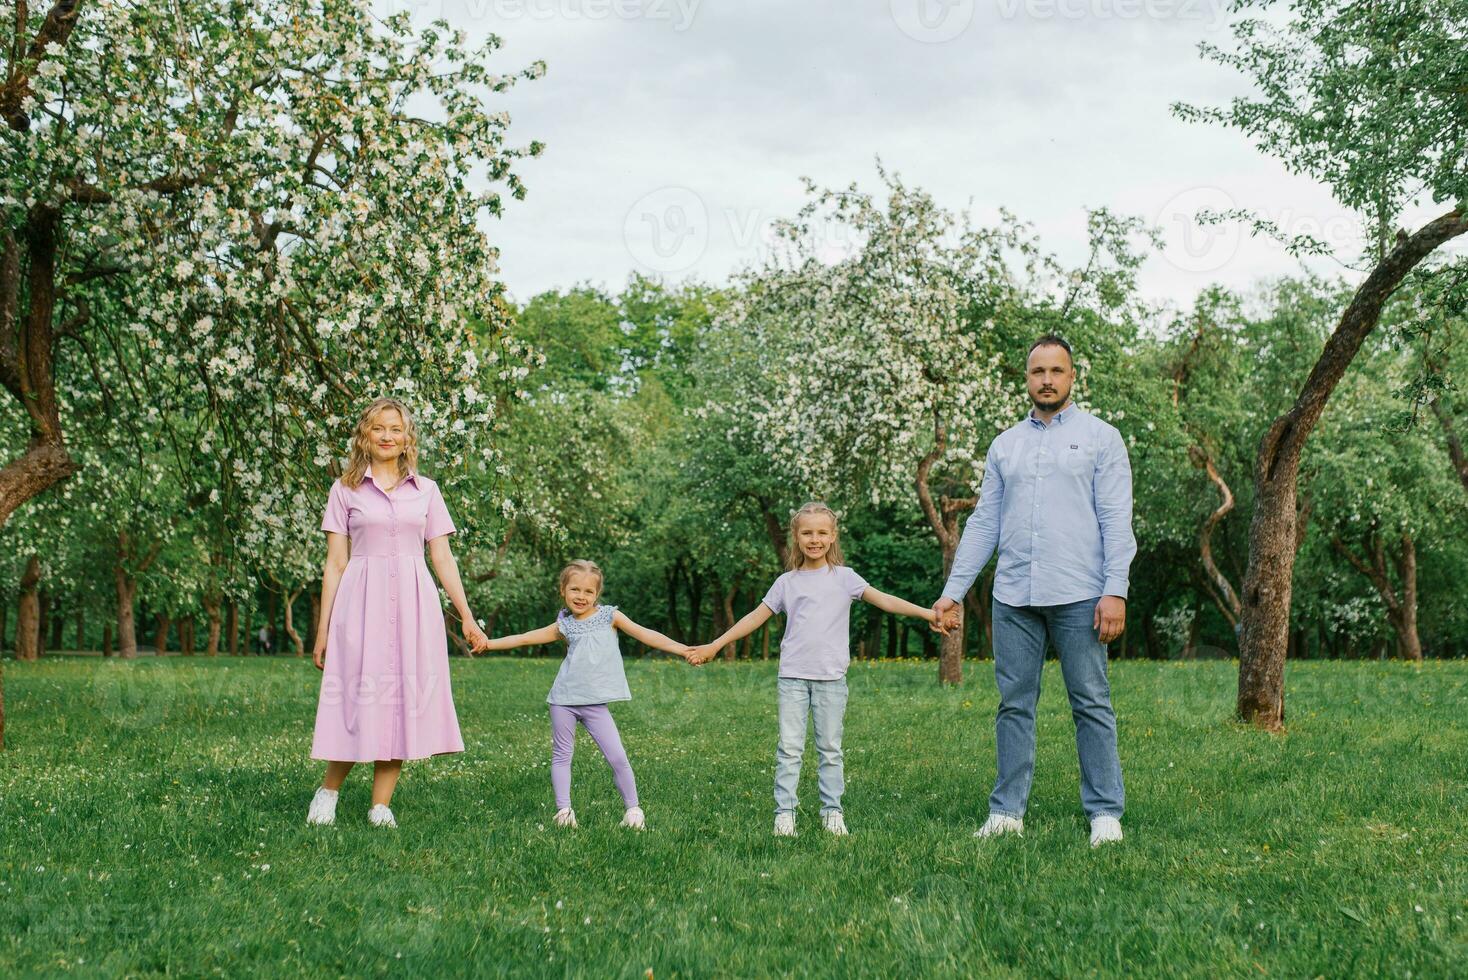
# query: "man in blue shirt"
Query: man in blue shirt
{"points": [[1056, 503]]}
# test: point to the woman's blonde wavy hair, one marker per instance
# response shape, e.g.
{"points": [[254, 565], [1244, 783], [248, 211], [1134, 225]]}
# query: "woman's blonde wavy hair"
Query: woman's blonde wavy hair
{"points": [[794, 557], [361, 456]]}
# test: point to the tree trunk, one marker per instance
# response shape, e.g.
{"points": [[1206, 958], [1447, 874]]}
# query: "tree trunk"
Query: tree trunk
{"points": [[1455, 445], [891, 637], [764, 653], [695, 604], [232, 627], [726, 608], [270, 607], [1224, 595], [160, 636], [942, 518], [28, 615], [106, 639], [1401, 605], [27, 339], [675, 628], [127, 635], [43, 620], [290, 629], [1272, 542], [81, 624], [58, 623], [186, 636], [1407, 622], [212, 609], [776, 531], [314, 596]]}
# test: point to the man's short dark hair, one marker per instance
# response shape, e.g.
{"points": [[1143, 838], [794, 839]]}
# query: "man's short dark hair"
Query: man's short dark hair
{"points": [[1051, 340]]}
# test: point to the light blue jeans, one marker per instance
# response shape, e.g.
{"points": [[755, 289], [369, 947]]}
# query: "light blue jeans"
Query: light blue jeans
{"points": [[825, 703], [1020, 633]]}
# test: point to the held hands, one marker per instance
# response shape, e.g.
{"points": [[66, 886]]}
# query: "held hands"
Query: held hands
{"points": [[700, 655], [1110, 619], [474, 636], [944, 616]]}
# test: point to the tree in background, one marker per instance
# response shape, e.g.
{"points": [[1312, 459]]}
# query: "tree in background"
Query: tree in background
{"points": [[1367, 98], [271, 205]]}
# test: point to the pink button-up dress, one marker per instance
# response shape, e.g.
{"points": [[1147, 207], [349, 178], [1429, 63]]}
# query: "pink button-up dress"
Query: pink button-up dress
{"points": [[385, 691]]}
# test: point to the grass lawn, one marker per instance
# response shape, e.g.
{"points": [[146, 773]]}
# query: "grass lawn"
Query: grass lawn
{"points": [[152, 821]]}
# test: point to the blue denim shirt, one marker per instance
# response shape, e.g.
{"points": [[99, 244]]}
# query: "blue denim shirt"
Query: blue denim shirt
{"points": [[1056, 502]]}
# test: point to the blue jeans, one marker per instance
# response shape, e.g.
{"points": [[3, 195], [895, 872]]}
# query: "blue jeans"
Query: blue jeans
{"points": [[1019, 654], [825, 702]]}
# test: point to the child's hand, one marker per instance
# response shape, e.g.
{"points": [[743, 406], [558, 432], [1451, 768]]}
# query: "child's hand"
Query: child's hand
{"points": [[475, 637]]}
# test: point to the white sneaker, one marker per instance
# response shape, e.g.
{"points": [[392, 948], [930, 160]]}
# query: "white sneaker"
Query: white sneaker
{"points": [[381, 816], [834, 822], [323, 807], [634, 818], [566, 818], [1104, 830], [998, 824], [784, 825]]}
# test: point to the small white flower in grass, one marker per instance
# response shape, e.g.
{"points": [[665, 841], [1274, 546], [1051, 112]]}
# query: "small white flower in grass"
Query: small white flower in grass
{"points": [[1417, 907], [560, 904], [586, 921]]}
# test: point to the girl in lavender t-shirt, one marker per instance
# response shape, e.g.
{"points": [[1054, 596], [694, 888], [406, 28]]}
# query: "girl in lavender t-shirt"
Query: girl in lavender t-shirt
{"points": [[815, 594]]}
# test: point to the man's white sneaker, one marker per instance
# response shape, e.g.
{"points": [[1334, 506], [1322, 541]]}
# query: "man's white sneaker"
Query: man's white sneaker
{"points": [[323, 807], [634, 818], [784, 825], [834, 822], [566, 817], [1104, 830], [381, 816], [998, 824]]}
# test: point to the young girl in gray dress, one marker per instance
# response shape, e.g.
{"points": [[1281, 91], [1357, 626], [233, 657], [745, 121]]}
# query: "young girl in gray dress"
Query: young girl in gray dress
{"points": [[589, 678]]}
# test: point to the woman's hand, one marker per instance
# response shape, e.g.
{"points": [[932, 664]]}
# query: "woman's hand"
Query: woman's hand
{"points": [[474, 636], [318, 653]]}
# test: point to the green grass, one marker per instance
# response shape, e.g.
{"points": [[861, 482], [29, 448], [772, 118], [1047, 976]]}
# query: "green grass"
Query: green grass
{"points": [[152, 816]]}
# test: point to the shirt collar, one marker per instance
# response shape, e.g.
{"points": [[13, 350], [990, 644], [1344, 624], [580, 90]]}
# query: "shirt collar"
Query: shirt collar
{"points": [[1056, 419], [412, 476]]}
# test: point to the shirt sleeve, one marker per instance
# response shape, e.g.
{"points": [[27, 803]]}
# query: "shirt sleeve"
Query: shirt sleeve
{"points": [[1114, 514], [335, 518], [775, 598], [855, 584], [980, 534], [438, 523]]}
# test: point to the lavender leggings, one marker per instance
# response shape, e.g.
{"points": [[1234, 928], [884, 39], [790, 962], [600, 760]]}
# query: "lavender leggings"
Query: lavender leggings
{"points": [[603, 730]]}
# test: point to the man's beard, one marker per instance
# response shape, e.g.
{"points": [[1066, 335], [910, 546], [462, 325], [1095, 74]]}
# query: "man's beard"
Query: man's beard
{"points": [[1046, 403]]}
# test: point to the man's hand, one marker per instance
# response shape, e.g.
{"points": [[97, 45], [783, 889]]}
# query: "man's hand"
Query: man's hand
{"points": [[1110, 618], [700, 655], [945, 616]]}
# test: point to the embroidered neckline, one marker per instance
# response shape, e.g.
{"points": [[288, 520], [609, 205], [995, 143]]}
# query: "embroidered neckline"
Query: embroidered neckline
{"points": [[571, 626]]}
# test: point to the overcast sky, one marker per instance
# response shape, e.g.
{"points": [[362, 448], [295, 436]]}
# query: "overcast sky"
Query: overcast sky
{"points": [[676, 130]]}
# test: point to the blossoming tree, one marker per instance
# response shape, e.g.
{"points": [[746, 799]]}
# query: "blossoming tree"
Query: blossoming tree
{"points": [[276, 205]]}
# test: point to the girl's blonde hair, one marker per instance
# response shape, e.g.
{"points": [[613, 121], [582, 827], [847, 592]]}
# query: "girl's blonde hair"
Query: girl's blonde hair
{"points": [[794, 557], [580, 567], [361, 456]]}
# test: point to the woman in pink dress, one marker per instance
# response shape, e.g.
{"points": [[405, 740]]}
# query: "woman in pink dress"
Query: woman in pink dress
{"points": [[380, 643]]}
